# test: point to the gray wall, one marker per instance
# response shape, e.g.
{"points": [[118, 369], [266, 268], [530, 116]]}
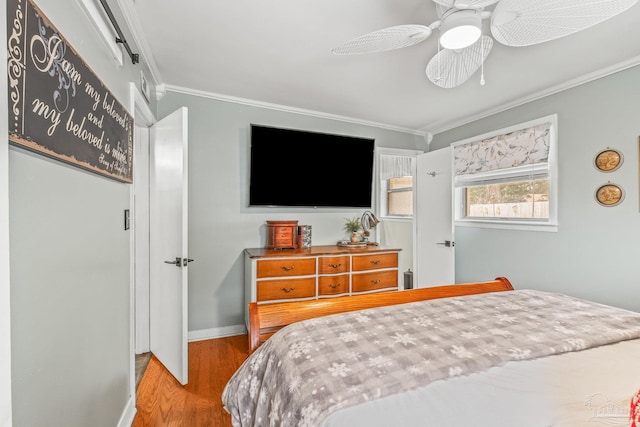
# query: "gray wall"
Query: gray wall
{"points": [[595, 252], [69, 295], [5, 284], [70, 269], [221, 225]]}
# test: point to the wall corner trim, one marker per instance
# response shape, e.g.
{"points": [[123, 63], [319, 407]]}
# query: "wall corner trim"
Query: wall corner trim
{"points": [[129, 413]]}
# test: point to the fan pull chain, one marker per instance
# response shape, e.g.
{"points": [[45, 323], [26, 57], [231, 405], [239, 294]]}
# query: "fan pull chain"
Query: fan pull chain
{"points": [[482, 62]]}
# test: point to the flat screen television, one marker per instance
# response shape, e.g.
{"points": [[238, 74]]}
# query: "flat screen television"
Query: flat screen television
{"points": [[298, 168]]}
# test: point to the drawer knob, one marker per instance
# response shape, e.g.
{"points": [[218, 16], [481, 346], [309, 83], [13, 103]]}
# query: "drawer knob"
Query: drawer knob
{"points": [[287, 290], [375, 281], [334, 285], [288, 268], [375, 261], [335, 265]]}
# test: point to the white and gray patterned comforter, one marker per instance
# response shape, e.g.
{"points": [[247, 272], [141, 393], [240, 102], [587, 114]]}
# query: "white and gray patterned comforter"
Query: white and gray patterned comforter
{"points": [[309, 369]]}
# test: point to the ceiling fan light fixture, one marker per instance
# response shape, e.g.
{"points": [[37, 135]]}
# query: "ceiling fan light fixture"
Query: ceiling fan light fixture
{"points": [[460, 29]]}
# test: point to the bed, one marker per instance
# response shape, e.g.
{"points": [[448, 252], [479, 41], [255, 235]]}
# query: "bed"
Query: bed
{"points": [[476, 354]]}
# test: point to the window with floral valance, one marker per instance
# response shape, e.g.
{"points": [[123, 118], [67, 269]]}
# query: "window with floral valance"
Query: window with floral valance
{"points": [[507, 178]]}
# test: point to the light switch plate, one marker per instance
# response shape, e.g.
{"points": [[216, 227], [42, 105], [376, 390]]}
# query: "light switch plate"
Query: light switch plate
{"points": [[126, 219]]}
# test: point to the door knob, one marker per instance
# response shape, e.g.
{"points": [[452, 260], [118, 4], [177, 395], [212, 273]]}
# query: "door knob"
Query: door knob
{"points": [[180, 262], [447, 243], [177, 262]]}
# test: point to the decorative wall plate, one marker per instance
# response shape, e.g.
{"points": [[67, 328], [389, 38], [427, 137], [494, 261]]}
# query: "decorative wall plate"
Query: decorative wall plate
{"points": [[608, 160], [609, 194]]}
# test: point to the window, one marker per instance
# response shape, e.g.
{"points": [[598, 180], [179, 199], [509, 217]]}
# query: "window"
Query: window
{"points": [[521, 199], [400, 196], [507, 179], [395, 174]]}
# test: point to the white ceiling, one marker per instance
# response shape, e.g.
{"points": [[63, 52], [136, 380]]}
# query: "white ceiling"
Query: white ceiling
{"points": [[278, 52]]}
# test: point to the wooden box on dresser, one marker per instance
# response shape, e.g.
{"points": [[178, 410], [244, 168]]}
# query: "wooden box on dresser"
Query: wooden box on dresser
{"points": [[315, 272]]}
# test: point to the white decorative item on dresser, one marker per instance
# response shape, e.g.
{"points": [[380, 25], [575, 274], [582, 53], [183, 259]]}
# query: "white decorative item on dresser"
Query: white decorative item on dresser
{"points": [[318, 272]]}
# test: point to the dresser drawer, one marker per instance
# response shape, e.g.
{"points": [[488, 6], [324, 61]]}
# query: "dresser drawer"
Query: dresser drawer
{"points": [[286, 267], [374, 262], [332, 285], [375, 280], [330, 265], [286, 289]]}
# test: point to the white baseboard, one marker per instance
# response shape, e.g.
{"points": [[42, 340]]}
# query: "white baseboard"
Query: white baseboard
{"points": [[129, 413], [208, 334]]}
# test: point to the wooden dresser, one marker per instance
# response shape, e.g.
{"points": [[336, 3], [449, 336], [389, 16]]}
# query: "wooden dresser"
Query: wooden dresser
{"points": [[318, 272]]}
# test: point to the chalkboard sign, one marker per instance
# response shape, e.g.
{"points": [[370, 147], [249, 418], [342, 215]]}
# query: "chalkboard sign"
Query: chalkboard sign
{"points": [[57, 105]]}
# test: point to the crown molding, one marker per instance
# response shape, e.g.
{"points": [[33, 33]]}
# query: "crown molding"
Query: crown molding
{"points": [[134, 25], [288, 109], [160, 91], [586, 78]]}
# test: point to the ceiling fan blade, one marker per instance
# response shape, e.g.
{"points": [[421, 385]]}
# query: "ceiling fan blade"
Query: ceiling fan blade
{"points": [[385, 39], [529, 22], [451, 68], [465, 4]]}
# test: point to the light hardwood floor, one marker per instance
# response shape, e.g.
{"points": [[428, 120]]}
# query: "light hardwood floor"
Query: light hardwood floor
{"points": [[162, 401]]}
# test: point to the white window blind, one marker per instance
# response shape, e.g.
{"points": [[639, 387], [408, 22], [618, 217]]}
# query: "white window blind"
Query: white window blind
{"points": [[392, 166]]}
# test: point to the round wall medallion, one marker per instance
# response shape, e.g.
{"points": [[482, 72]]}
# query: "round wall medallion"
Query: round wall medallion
{"points": [[608, 160], [609, 194]]}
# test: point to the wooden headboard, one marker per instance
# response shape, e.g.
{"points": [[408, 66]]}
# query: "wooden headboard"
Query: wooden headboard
{"points": [[266, 319]]}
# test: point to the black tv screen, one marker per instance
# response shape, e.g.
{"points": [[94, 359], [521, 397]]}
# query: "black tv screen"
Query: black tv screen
{"points": [[309, 169]]}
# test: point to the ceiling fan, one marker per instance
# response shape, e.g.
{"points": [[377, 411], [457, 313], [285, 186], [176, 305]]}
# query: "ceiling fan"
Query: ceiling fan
{"points": [[462, 48]]}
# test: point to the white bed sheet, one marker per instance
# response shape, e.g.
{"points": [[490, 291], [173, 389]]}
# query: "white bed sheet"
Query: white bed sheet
{"points": [[587, 388]]}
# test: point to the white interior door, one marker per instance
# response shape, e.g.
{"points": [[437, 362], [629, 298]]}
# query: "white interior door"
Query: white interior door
{"points": [[435, 246], [168, 243]]}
